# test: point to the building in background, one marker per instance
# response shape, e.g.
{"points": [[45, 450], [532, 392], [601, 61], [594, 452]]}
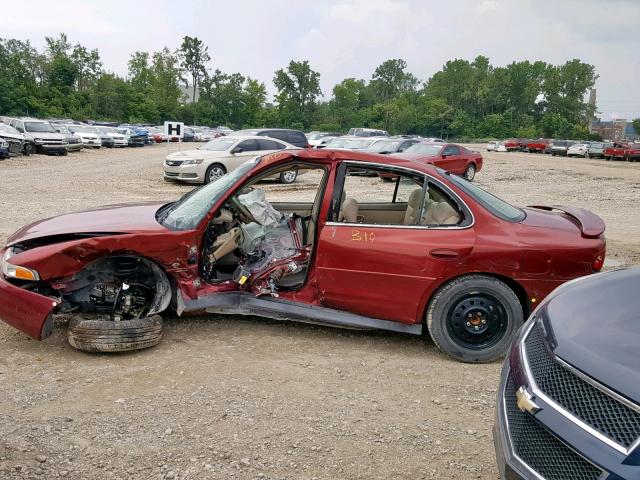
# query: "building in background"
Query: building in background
{"points": [[618, 129]]}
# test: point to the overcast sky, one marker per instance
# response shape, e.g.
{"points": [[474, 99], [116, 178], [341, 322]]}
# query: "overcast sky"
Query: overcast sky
{"points": [[349, 38]]}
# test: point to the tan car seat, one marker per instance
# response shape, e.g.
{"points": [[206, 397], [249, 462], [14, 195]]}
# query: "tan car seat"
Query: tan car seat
{"points": [[413, 207], [349, 211], [440, 213]]}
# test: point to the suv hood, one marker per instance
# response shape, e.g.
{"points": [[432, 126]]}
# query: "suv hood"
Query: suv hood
{"points": [[122, 218], [594, 325], [45, 135]]}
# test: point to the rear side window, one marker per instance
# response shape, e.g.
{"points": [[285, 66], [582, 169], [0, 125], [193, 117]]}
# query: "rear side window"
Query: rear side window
{"points": [[279, 134], [298, 139], [270, 145], [498, 207], [248, 145]]}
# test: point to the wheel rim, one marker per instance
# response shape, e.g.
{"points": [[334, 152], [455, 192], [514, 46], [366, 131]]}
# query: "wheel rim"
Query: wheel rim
{"points": [[470, 173], [289, 176], [215, 173], [477, 321]]}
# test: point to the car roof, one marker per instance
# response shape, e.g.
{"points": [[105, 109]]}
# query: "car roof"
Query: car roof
{"points": [[240, 138], [338, 155]]}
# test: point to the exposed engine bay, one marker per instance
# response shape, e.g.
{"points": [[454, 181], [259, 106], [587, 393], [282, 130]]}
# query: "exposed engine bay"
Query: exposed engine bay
{"points": [[116, 288], [254, 245]]}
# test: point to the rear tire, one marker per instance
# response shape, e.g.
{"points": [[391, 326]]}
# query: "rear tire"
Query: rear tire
{"points": [[474, 318], [470, 172], [90, 335]]}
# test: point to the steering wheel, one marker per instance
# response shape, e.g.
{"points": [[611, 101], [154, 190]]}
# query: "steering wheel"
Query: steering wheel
{"points": [[242, 210]]}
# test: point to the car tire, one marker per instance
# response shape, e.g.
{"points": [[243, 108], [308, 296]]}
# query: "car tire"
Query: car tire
{"points": [[494, 312], [91, 335], [288, 177], [553, 154], [29, 149], [214, 172], [470, 172]]}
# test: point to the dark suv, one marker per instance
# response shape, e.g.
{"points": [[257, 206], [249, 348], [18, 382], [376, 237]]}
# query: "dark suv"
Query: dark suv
{"points": [[294, 137], [568, 405]]}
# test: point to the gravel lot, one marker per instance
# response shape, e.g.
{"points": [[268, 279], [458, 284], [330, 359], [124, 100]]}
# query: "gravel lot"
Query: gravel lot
{"points": [[229, 397]]}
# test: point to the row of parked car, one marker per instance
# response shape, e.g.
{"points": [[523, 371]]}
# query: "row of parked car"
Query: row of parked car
{"points": [[223, 155], [26, 135], [628, 151]]}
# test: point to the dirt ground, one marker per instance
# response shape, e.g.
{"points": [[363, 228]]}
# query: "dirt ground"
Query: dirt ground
{"points": [[235, 397]]}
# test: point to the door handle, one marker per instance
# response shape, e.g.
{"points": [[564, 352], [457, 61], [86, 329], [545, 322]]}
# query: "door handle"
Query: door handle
{"points": [[444, 253]]}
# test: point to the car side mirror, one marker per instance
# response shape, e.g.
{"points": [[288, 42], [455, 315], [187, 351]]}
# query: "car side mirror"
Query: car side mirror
{"points": [[444, 155], [236, 150]]}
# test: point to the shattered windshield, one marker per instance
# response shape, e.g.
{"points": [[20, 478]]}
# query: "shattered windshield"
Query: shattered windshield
{"points": [[188, 212]]}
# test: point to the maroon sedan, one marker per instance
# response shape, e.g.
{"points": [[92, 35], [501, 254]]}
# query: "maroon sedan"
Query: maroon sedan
{"points": [[427, 252], [448, 156]]}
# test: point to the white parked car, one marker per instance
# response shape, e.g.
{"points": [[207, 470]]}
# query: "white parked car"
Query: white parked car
{"points": [[578, 150], [221, 156], [501, 147], [89, 135], [492, 146], [352, 142], [119, 139]]}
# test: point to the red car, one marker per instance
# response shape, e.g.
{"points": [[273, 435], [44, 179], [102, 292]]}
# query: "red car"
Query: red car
{"points": [[616, 151], [448, 156], [538, 146], [430, 251], [632, 152], [512, 144]]}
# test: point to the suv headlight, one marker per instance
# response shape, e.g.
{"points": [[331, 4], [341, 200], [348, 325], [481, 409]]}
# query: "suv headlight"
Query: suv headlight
{"points": [[195, 161], [15, 271], [38, 140]]}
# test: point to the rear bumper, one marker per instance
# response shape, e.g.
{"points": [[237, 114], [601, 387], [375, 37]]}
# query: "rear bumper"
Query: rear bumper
{"points": [[26, 311]]}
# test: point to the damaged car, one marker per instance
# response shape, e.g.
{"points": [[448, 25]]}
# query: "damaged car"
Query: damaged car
{"points": [[427, 252]]}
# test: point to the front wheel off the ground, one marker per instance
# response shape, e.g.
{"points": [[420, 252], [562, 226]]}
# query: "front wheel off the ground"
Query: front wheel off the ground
{"points": [[93, 335], [474, 318]]}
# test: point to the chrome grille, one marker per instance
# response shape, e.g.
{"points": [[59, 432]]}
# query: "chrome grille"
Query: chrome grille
{"points": [[593, 406], [540, 450], [173, 163]]}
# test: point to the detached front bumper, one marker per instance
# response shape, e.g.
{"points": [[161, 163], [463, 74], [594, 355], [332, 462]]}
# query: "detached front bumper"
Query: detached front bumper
{"points": [[26, 311]]}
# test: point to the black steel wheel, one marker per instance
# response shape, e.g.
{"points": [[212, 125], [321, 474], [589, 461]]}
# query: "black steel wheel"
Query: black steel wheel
{"points": [[474, 318], [477, 320]]}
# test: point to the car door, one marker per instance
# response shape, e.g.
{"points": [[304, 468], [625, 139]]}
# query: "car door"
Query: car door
{"points": [[452, 160], [375, 257], [241, 152]]}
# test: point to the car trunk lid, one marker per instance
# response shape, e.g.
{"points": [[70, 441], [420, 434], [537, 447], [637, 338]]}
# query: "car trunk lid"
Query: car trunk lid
{"points": [[590, 224]]}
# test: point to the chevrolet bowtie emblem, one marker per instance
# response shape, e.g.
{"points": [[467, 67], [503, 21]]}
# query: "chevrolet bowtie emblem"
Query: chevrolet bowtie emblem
{"points": [[525, 401]]}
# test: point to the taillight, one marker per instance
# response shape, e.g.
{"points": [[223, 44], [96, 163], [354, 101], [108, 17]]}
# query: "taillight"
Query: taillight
{"points": [[598, 263]]}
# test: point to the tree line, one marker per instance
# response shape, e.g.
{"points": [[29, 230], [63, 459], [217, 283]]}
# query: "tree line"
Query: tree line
{"points": [[471, 99]]}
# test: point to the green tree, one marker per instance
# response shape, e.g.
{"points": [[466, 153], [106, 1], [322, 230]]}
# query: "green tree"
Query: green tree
{"points": [[88, 65], [298, 89], [636, 125], [390, 79], [194, 55]]}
